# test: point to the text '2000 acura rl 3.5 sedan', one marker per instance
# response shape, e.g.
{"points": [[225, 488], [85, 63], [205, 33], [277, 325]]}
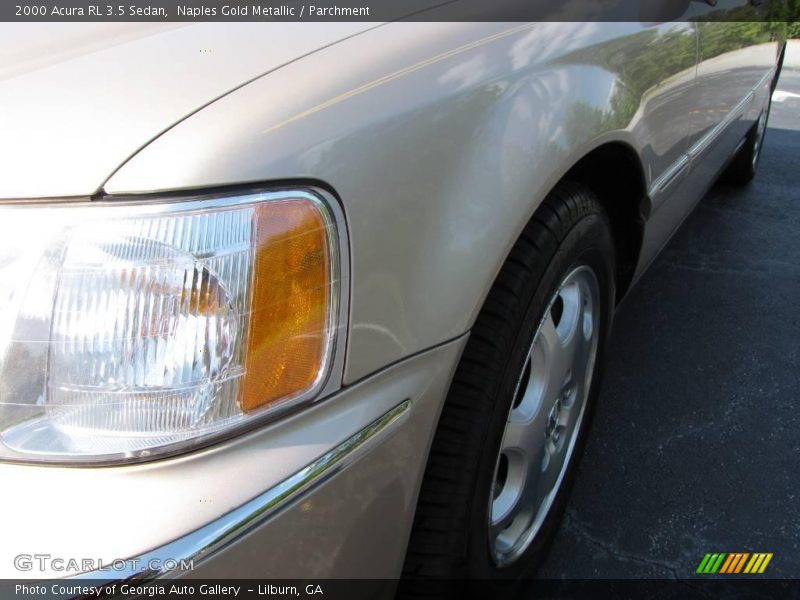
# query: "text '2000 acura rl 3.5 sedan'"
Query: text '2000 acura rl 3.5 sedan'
{"points": [[331, 300]]}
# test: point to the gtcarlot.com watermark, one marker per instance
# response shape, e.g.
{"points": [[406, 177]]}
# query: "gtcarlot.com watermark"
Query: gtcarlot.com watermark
{"points": [[50, 563]]}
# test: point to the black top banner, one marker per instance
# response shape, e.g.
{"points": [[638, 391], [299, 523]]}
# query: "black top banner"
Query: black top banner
{"points": [[646, 11]]}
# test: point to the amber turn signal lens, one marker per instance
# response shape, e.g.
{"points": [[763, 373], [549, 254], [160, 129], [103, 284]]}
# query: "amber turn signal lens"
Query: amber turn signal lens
{"points": [[291, 296]]}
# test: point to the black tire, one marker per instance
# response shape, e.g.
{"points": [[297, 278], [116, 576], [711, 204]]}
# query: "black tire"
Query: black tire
{"points": [[449, 539], [744, 165]]}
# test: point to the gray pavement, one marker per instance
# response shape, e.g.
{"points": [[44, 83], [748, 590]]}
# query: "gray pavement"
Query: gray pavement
{"points": [[695, 446]]}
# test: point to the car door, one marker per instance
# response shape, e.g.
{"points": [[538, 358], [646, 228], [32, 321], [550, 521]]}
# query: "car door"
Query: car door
{"points": [[666, 109], [737, 50]]}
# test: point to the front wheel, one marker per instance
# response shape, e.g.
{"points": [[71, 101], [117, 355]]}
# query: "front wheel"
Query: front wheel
{"points": [[513, 424]]}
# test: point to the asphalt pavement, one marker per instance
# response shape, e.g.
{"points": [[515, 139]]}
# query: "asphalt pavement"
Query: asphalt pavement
{"points": [[695, 445]]}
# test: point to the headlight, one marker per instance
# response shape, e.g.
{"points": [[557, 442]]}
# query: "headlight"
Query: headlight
{"points": [[131, 330]]}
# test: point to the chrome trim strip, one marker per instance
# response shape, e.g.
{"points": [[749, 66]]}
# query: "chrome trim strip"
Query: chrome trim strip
{"points": [[669, 175], [204, 542]]}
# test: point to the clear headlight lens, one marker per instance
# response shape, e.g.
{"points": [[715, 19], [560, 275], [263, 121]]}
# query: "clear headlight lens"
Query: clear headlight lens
{"points": [[127, 331]]}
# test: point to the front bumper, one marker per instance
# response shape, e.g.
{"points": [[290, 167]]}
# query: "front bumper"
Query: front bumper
{"points": [[327, 493]]}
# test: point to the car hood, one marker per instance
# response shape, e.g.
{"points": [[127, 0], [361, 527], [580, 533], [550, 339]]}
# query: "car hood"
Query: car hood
{"points": [[77, 100]]}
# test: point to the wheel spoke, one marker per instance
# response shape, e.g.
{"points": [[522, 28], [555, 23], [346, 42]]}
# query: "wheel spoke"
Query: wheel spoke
{"points": [[510, 518], [530, 499], [503, 523], [569, 419], [524, 443], [549, 335], [525, 437], [558, 357], [553, 464]]}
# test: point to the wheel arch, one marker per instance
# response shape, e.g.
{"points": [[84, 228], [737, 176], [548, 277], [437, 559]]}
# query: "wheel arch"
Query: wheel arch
{"points": [[613, 171]]}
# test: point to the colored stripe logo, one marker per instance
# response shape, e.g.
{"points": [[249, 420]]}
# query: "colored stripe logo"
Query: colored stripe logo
{"points": [[732, 563]]}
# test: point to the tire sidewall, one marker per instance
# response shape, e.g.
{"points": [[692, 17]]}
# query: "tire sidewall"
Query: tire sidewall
{"points": [[589, 244]]}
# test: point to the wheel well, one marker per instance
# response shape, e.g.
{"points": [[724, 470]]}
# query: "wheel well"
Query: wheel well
{"points": [[614, 173]]}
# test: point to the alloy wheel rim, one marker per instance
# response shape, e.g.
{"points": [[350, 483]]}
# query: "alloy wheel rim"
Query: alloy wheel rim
{"points": [[545, 416]]}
